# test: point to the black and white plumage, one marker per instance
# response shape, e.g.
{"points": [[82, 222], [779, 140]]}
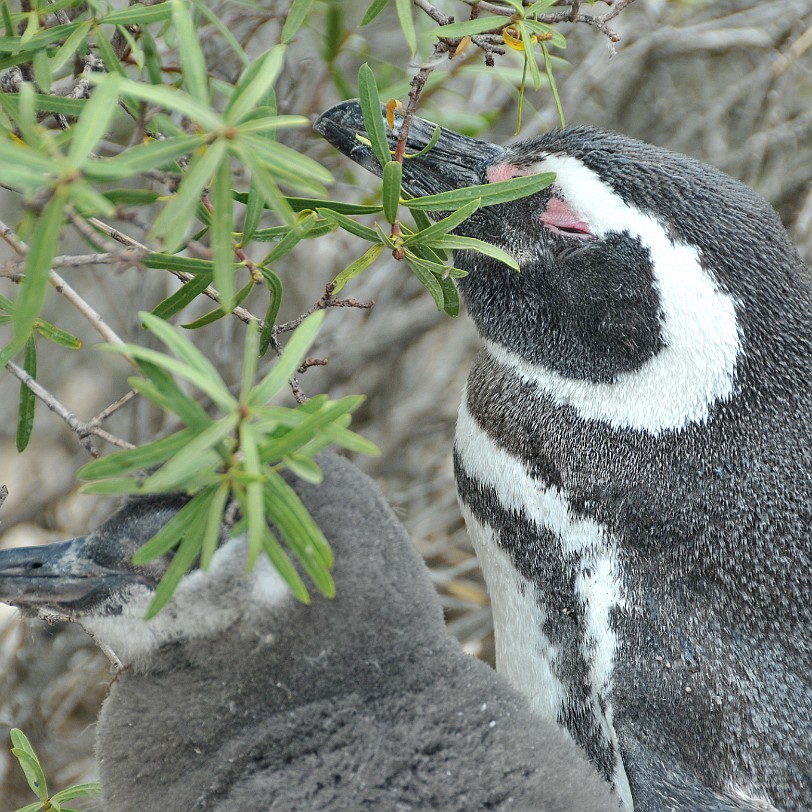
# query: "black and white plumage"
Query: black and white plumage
{"points": [[633, 459], [238, 697]]}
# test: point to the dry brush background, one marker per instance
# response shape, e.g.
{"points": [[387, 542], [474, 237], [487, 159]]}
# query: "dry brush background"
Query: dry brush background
{"points": [[727, 82]]}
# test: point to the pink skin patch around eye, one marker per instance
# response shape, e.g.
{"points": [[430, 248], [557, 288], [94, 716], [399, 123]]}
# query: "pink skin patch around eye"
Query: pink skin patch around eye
{"points": [[506, 171], [561, 219]]}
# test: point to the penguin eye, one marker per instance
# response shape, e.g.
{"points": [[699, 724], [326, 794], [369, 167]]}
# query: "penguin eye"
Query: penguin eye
{"points": [[560, 218]]}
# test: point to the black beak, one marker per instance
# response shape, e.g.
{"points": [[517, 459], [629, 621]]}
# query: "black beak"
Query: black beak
{"points": [[53, 575], [454, 161]]}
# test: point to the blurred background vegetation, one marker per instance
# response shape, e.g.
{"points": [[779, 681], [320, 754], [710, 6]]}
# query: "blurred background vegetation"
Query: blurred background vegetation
{"points": [[729, 82]]}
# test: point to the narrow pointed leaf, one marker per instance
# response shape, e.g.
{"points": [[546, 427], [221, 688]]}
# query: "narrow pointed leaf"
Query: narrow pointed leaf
{"points": [[222, 226], [422, 271], [254, 83], [182, 297], [375, 8], [470, 244], [284, 566], [349, 225], [94, 121], [136, 459], [215, 315], [404, 10], [296, 16], [195, 75], [174, 221], [181, 468], [274, 284], [355, 268], [181, 563], [371, 108], [28, 403], [44, 243], [392, 179], [216, 505], [502, 191], [77, 791], [428, 235]]}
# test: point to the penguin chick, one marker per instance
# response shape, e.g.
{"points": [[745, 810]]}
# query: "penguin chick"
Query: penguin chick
{"points": [[238, 697], [633, 458]]}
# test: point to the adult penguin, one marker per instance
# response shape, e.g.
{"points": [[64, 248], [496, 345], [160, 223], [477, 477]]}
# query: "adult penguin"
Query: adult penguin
{"points": [[237, 697], [633, 458]]}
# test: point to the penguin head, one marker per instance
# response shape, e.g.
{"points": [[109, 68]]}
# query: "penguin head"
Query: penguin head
{"points": [[382, 586], [640, 268]]}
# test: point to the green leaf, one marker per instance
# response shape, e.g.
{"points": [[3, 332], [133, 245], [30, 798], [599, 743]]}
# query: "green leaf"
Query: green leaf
{"points": [[173, 99], [373, 119], [174, 221], [171, 262], [404, 10], [304, 468], [151, 155], [274, 448], [451, 296], [265, 184], [222, 226], [136, 459], [182, 561], [302, 203], [111, 60], [470, 244], [296, 16], [302, 534], [422, 270], [180, 470], [216, 504], [392, 179], [548, 67], [502, 191], [193, 62], [137, 14], [255, 81], [68, 49], [442, 227], [304, 223], [213, 387], [44, 242], [366, 233], [94, 121], [188, 353], [77, 791], [529, 54], [132, 197], [182, 297], [254, 514], [254, 209], [162, 389], [287, 164], [274, 284], [355, 268], [291, 359], [222, 30], [375, 8], [28, 403], [284, 567], [57, 336], [219, 313], [24, 753]]}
